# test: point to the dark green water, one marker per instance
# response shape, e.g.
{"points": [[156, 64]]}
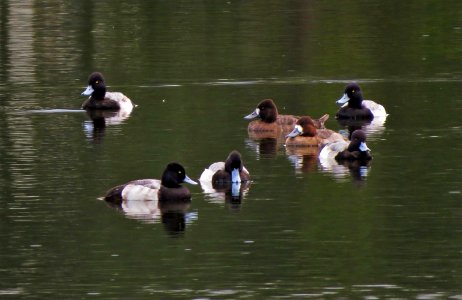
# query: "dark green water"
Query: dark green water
{"points": [[195, 69]]}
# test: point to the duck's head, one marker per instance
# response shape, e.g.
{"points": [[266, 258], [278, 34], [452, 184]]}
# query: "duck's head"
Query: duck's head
{"points": [[358, 141], [352, 95], [305, 127], [96, 86], [266, 110], [174, 174], [234, 166]]}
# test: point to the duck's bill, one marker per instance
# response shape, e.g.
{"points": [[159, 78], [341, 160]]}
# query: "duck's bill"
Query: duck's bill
{"points": [[297, 131], [363, 147], [235, 176], [88, 91], [236, 189], [189, 180], [253, 115], [343, 100]]}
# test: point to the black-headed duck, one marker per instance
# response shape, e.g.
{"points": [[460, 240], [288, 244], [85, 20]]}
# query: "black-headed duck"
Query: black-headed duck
{"points": [[356, 149], [101, 99], [355, 107], [230, 177], [305, 134], [226, 172], [168, 188]]}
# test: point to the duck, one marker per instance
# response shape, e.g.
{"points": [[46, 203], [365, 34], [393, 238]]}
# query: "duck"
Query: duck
{"points": [[169, 188], [101, 99], [270, 121], [226, 181], [355, 107], [356, 149], [305, 134], [226, 172]]}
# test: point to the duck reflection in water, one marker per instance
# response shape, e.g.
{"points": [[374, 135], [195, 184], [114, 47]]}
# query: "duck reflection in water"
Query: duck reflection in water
{"points": [[373, 129], [304, 159], [342, 158], [226, 196], [153, 200], [227, 181], [175, 215], [263, 148], [100, 119]]}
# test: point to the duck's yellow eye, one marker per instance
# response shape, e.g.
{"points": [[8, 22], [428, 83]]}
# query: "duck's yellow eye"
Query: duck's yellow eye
{"points": [[353, 91], [97, 82]]}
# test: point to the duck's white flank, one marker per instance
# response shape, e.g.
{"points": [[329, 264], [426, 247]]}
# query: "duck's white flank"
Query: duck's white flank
{"points": [[134, 192], [124, 102], [208, 173], [377, 109]]}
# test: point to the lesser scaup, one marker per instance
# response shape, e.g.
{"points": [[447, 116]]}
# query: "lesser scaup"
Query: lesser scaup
{"points": [[305, 134], [101, 99], [356, 149], [230, 171], [355, 107], [230, 177], [168, 188]]}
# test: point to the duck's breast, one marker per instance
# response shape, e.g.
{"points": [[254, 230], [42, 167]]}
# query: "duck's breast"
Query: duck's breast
{"points": [[174, 194], [355, 113]]}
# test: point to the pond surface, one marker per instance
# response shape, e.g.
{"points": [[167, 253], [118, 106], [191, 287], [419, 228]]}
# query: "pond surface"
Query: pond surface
{"points": [[195, 69]]}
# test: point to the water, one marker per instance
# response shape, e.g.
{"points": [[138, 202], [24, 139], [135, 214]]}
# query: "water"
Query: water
{"points": [[195, 69]]}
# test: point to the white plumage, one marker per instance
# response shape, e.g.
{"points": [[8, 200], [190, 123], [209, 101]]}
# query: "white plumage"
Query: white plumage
{"points": [[207, 175]]}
